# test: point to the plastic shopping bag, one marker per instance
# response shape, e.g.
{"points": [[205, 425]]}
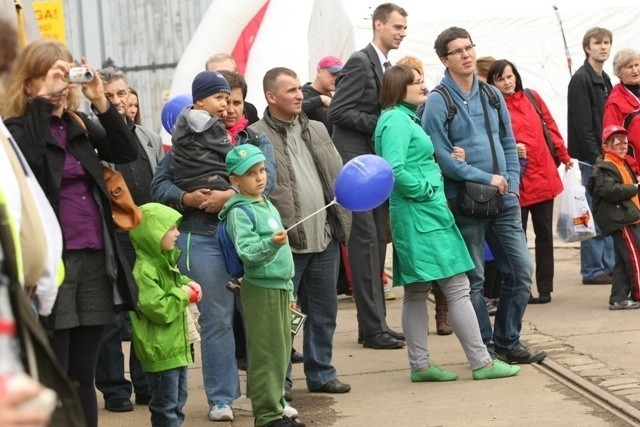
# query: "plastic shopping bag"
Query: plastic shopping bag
{"points": [[575, 221]]}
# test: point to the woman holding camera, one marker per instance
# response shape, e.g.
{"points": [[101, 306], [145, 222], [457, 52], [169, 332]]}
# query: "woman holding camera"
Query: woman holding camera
{"points": [[64, 150]]}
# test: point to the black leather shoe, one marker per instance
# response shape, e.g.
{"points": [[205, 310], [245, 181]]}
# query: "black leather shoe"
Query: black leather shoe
{"points": [[382, 341], [119, 405], [521, 355], [335, 386], [397, 335], [285, 422], [296, 356], [542, 299]]}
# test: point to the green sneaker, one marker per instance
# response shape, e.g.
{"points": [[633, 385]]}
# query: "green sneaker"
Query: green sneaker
{"points": [[498, 369], [433, 373]]}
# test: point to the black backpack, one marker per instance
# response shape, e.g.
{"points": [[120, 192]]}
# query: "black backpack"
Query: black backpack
{"points": [[451, 107]]}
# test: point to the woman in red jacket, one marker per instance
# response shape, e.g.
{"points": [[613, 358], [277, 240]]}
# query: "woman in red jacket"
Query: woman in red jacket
{"points": [[623, 104], [540, 182]]}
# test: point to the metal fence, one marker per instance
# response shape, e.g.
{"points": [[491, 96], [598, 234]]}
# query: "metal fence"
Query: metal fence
{"points": [[143, 38]]}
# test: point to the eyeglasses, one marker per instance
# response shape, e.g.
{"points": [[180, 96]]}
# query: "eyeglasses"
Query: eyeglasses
{"points": [[418, 83], [460, 50], [120, 94]]}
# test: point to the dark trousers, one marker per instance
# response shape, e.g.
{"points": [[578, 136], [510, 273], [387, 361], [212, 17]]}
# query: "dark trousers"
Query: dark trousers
{"points": [[110, 379], [626, 271], [77, 351], [542, 219], [367, 250]]}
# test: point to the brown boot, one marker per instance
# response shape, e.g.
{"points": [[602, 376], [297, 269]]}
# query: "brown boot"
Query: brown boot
{"points": [[443, 321]]}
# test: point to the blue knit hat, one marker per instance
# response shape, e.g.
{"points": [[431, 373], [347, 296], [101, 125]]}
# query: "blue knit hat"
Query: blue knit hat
{"points": [[208, 83]]}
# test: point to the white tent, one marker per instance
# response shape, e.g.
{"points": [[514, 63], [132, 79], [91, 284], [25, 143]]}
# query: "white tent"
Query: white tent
{"points": [[296, 33]]}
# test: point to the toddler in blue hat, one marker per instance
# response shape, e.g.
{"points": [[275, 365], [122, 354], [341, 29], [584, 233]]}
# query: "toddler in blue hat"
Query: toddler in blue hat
{"points": [[200, 139]]}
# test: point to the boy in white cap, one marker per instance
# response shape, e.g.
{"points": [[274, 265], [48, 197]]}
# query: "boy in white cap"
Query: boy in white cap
{"points": [[200, 140], [616, 210], [255, 227]]}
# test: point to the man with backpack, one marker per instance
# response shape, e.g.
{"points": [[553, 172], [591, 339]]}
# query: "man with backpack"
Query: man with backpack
{"points": [[466, 113]]}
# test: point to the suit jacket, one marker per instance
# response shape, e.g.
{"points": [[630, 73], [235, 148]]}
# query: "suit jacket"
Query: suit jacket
{"points": [[355, 106], [152, 145]]}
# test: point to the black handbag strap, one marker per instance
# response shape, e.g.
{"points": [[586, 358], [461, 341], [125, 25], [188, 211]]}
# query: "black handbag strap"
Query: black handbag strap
{"points": [[490, 134]]}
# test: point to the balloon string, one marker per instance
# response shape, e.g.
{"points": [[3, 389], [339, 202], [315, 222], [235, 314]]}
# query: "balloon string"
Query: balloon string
{"points": [[333, 202]]}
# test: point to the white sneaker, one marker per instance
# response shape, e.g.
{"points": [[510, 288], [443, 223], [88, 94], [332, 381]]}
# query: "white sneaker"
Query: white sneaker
{"points": [[290, 411], [221, 412]]}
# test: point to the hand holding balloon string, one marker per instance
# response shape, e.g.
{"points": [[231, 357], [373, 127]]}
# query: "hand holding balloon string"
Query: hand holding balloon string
{"points": [[364, 183]]}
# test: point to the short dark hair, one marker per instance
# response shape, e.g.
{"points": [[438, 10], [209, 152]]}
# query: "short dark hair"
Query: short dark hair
{"points": [[394, 84], [269, 81], [447, 36], [383, 11], [597, 33], [235, 80], [496, 70]]}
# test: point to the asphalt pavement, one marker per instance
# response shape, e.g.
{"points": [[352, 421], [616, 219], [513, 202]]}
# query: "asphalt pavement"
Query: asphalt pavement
{"points": [[586, 342]]}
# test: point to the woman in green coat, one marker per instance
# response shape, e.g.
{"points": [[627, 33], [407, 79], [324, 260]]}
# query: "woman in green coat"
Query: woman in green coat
{"points": [[427, 244]]}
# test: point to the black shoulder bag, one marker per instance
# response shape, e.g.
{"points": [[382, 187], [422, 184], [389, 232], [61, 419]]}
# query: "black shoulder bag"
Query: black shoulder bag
{"points": [[477, 200]]}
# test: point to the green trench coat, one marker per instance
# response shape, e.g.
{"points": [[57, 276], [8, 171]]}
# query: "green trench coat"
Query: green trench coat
{"points": [[427, 245]]}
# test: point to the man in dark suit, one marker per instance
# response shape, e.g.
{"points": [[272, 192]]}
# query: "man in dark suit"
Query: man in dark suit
{"points": [[110, 379], [354, 113]]}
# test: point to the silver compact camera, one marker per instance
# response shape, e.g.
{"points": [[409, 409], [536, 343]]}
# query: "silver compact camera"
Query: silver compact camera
{"points": [[80, 75]]}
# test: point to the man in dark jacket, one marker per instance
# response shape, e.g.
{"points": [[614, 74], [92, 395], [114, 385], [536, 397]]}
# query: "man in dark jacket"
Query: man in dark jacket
{"points": [[317, 94], [110, 379], [588, 91], [354, 112]]}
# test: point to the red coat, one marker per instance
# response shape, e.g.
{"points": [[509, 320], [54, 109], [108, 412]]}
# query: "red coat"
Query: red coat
{"points": [[620, 103], [541, 181]]}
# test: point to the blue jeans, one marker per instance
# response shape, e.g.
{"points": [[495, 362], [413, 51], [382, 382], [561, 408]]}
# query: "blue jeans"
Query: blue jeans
{"points": [[315, 287], [508, 244], [202, 261], [168, 397], [110, 379], [596, 254]]}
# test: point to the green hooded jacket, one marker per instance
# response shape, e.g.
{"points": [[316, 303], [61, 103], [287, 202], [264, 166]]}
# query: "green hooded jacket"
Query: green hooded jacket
{"points": [[160, 334], [266, 264]]}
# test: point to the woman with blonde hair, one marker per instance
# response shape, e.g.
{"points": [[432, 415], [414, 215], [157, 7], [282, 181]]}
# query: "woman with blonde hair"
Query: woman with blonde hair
{"points": [[64, 149]]}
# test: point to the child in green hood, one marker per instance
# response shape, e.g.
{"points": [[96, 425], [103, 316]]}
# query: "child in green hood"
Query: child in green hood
{"points": [[160, 331], [267, 289]]}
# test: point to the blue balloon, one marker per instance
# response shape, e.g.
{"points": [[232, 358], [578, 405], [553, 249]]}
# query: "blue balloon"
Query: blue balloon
{"points": [[364, 183], [172, 110]]}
